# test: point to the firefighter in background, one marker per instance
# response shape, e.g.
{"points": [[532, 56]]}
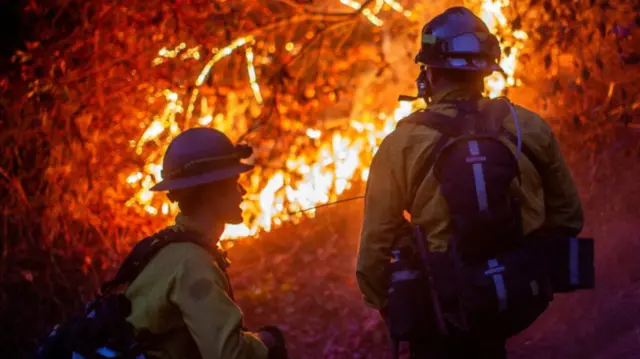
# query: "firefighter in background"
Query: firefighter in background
{"points": [[457, 53], [182, 294]]}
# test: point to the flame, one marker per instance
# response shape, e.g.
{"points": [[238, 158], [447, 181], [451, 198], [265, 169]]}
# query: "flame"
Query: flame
{"points": [[371, 14], [492, 15], [252, 75], [309, 178]]}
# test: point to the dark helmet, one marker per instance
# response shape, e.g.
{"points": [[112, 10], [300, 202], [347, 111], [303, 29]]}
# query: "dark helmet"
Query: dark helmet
{"points": [[201, 155], [458, 39]]}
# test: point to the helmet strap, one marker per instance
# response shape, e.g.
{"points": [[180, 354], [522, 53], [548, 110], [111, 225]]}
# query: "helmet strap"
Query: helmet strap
{"points": [[425, 90]]}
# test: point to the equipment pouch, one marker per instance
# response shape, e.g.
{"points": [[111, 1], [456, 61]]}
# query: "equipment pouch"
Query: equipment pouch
{"points": [[408, 298], [571, 264]]}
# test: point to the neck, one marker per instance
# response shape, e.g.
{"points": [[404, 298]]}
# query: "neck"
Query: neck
{"points": [[447, 90], [203, 224]]}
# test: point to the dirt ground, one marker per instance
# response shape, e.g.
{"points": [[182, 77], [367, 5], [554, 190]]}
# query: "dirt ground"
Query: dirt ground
{"points": [[302, 278]]}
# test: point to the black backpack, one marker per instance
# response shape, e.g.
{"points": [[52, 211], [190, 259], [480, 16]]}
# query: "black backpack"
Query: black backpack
{"points": [[492, 277], [103, 331]]}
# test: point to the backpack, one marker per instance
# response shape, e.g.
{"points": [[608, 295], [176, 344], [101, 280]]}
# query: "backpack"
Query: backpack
{"points": [[103, 331], [492, 277]]}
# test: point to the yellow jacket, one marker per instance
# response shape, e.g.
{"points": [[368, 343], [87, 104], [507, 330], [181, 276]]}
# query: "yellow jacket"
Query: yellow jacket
{"points": [[182, 291], [395, 164]]}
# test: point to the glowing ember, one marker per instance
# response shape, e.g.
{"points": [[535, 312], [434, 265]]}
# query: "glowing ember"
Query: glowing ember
{"points": [[366, 12], [252, 75], [164, 54], [310, 177]]}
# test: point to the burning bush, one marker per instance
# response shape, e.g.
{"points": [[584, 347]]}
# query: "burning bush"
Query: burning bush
{"points": [[312, 85]]}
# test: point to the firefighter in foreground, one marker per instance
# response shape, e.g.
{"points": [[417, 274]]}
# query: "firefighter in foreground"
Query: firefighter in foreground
{"points": [[182, 291], [484, 185], [172, 298]]}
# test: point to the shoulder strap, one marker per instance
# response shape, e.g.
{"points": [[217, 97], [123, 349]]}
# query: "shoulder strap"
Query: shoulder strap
{"points": [[445, 126], [493, 114], [499, 110], [146, 249]]}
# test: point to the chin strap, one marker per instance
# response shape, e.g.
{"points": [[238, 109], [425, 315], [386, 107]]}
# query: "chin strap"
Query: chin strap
{"points": [[424, 88]]}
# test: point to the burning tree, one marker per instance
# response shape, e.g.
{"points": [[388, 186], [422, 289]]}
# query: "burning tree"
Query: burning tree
{"points": [[296, 81], [312, 85]]}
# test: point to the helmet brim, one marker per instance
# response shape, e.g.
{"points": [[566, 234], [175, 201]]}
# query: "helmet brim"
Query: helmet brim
{"points": [[450, 63], [208, 177], [443, 65]]}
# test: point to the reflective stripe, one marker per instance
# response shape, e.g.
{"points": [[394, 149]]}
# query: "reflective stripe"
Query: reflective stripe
{"points": [[498, 282], [478, 177], [474, 150], [501, 291], [535, 288], [481, 189], [493, 271], [403, 275], [428, 39], [107, 352], [574, 273], [476, 159]]}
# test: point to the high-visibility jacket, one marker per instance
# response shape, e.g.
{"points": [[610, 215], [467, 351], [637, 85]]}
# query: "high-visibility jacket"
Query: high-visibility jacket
{"points": [[183, 295], [393, 169]]}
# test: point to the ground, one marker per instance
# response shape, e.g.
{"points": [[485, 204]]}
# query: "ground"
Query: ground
{"points": [[302, 278]]}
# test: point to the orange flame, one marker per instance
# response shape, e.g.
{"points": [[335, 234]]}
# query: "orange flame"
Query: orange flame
{"points": [[309, 179]]}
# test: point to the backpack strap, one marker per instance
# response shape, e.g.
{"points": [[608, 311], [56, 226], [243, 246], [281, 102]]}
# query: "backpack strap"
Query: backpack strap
{"points": [[435, 121], [498, 110], [146, 249], [450, 128]]}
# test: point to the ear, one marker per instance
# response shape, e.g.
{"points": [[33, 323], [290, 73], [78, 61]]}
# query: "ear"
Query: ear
{"points": [[429, 76]]}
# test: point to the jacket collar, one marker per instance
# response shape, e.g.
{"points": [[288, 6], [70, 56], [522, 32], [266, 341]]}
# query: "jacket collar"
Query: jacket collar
{"points": [[209, 234], [455, 92]]}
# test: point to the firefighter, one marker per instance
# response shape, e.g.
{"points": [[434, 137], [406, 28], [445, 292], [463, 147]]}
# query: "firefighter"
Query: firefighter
{"points": [[182, 295], [457, 53]]}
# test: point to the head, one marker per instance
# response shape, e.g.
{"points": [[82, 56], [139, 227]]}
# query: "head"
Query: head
{"points": [[216, 202], [457, 50], [200, 170], [442, 78]]}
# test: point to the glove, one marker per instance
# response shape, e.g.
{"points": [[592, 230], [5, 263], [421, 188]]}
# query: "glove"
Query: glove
{"points": [[279, 350]]}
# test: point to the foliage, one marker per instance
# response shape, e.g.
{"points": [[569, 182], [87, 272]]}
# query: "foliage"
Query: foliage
{"points": [[97, 77]]}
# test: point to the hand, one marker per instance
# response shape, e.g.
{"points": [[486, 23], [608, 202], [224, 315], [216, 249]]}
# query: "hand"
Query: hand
{"points": [[267, 338], [273, 338]]}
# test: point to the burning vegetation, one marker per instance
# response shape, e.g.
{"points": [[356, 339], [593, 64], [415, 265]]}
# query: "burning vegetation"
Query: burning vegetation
{"points": [[311, 85], [269, 83]]}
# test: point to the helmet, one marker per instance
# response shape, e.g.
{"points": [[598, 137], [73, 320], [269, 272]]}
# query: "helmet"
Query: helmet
{"points": [[201, 155], [458, 39]]}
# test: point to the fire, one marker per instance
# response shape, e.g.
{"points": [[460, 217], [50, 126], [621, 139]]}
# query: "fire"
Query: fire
{"points": [[308, 179], [491, 13]]}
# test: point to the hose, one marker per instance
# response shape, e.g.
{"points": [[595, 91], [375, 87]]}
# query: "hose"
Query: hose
{"points": [[518, 128]]}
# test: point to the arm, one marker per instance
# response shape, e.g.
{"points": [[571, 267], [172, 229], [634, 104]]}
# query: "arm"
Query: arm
{"points": [[213, 319], [562, 202], [383, 223]]}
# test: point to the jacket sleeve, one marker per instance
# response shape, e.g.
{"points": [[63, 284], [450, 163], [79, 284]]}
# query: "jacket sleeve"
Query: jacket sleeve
{"points": [[212, 317], [383, 223], [562, 202]]}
